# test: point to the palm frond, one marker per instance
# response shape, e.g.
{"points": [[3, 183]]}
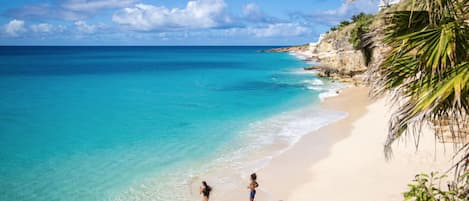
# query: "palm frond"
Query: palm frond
{"points": [[427, 70]]}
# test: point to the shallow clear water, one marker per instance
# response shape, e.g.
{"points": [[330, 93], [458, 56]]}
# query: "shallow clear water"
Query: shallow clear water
{"points": [[108, 123]]}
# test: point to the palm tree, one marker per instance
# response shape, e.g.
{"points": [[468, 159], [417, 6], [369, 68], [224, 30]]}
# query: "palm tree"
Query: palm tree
{"points": [[427, 71]]}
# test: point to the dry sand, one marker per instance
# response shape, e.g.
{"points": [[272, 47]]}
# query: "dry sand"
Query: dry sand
{"points": [[345, 162]]}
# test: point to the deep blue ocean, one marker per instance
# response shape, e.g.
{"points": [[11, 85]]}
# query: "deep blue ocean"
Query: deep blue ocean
{"points": [[140, 123]]}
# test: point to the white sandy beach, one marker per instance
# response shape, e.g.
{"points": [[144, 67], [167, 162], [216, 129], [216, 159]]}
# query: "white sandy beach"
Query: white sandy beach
{"points": [[345, 160]]}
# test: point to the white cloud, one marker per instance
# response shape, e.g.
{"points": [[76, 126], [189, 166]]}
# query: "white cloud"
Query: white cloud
{"points": [[252, 9], [43, 28], [70, 10], [270, 30], [83, 27], [46, 28], [280, 30], [345, 11], [254, 14], [90, 6], [197, 14], [354, 6], [15, 27]]}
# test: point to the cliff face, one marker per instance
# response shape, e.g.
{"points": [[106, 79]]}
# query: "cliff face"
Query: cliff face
{"points": [[337, 58], [336, 52]]}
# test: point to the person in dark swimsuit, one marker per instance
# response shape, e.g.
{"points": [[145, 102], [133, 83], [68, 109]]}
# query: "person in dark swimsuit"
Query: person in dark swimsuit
{"points": [[205, 190], [252, 187]]}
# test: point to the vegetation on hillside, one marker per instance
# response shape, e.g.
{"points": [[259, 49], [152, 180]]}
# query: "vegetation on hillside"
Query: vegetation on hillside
{"points": [[362, 26], [340, 26], [359, 37], [360, 18]]}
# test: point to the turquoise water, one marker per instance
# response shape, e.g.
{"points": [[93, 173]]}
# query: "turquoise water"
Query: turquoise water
{"points": [[110, 123]]}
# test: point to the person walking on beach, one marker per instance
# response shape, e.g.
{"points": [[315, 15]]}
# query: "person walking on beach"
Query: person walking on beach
{"points": [[205, 190], [252, 187]]}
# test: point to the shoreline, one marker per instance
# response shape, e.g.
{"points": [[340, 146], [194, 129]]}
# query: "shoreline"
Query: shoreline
{"points": [[316, 163], [287, 127], [229, 184], [326, 163], [228, 181], [291, 167]]}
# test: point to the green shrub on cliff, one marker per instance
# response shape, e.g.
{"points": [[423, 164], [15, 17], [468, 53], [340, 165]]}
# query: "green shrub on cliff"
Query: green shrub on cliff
{"points": [[362, 22], [359, 37], [340, 26], [343, 24]]}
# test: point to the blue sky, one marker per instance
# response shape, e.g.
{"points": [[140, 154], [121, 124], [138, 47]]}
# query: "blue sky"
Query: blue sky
{"points": [[172, 22]]}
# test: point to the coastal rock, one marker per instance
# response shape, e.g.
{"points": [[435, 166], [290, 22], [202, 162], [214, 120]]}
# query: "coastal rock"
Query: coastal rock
{"points": [[336, 57], [312, 68], [300, 48], [342, 75]]}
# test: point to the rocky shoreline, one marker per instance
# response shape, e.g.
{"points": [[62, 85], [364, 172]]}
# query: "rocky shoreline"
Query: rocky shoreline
{"points": [[336, 58], [300, 48], [355, 77], [330, 66]]}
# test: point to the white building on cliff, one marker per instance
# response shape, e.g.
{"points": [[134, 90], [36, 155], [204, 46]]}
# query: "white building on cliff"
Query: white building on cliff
{"points": [[387, 3]]}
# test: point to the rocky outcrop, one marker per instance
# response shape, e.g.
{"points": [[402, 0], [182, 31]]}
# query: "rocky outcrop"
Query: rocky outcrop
{"points": [[300, 48], [336, 57], [354, 76]]}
